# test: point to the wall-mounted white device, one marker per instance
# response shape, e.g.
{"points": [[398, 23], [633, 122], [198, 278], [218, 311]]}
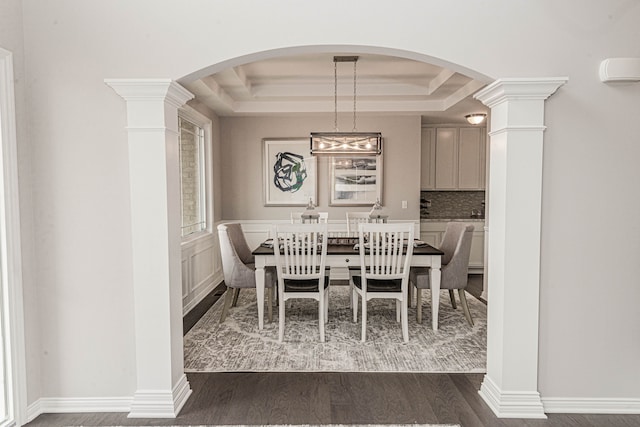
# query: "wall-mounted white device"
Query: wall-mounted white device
{"points": [[620, 70]]}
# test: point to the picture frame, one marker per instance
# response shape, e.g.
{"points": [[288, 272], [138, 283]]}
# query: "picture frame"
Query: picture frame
{"points": [[289, 172], [355, 180]]}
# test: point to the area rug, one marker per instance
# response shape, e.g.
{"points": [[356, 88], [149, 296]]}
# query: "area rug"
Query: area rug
{"points": [[237, 345]]}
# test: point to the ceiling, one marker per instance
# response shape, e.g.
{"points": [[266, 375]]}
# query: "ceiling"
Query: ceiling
{"points": [[305, 84]]}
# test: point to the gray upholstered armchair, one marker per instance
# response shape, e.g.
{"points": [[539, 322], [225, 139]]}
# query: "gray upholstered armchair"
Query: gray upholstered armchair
{"points": [[456, 245], [238, 266]]}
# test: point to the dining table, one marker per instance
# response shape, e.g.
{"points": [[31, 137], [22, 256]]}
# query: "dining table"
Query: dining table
{"points": [[343, 252]]}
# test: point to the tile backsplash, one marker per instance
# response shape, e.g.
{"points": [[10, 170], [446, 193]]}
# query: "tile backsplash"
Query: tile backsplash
{"points": [[451, 204]]}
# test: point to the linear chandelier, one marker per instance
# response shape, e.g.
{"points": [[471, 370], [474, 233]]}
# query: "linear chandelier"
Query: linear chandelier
{"points": [[354, 142]]}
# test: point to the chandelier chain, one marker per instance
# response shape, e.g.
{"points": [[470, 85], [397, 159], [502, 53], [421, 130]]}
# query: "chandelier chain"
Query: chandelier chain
{"points": [[354, 95], [335, 95]]}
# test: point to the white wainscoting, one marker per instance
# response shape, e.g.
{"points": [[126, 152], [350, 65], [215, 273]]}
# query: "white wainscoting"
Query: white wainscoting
{"points": [[201, 269]]}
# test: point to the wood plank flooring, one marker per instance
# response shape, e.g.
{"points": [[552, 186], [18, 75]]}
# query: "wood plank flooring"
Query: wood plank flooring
{"points": [[338, 398], [333, 398]]}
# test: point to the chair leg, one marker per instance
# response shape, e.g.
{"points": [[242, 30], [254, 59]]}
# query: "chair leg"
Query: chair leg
{"points": [[321, 317], [452, 296], [353, 298], [281, 320], [465, 307], [326, 305], [236, 293], [270, 303], [405, 322], [228, 298], [419, 305], [398, 310], [354, 303], [364, 319]]}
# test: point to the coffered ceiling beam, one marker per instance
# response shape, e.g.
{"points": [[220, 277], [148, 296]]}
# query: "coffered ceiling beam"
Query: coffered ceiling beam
{"points": [[326, 89], [243, 83], [462, 93], [298, 107], [439, 80]]}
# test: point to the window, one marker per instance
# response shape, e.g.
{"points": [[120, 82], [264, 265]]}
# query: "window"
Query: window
{"points": [[193, 172]]}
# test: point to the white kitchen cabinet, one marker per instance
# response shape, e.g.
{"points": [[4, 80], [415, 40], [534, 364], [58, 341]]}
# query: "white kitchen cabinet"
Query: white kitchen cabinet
{"points": [[453, 158], [427, 157], [446, 158], [471, 164], [431, 232]]}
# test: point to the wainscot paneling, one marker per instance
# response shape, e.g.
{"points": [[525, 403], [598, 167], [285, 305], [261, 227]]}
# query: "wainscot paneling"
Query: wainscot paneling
{"points": [[201, 269]]}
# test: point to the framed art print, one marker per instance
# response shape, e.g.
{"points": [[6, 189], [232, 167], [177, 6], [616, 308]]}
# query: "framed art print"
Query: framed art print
{"points": [[289, 172], [355, 181]]}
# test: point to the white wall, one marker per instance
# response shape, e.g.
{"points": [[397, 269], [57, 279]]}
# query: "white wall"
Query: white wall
{"points": [[242, 195], [82, 264]]}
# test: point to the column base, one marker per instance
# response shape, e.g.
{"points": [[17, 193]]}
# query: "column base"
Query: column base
{"points": [[515, 404], [159, 403]]}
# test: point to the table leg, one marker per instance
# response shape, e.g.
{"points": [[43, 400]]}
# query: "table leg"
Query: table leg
{"points": [[435, 274], [260, 295]]}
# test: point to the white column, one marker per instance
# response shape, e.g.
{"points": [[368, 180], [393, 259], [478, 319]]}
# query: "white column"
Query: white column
{"points": [[510, 386], [152, 126]]}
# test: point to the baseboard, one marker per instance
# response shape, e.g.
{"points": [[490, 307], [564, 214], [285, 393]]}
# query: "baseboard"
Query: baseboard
{"points": [[202, 293], [582, 405], [34, 410], [149, 405], [511, 404], [77, 404], [160, 404]]}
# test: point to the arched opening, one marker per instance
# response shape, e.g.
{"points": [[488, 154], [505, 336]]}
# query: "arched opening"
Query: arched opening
{"points": [[510, 386]]}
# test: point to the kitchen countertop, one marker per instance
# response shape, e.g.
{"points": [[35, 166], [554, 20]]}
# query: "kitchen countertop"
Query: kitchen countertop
{"points": [[452, 219]]}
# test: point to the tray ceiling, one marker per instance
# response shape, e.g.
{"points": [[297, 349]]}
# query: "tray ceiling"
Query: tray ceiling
{"points": [[304, 84]]}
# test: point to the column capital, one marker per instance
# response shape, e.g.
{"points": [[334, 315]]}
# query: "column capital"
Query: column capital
{"points": [[519, 89], [150, 90]]}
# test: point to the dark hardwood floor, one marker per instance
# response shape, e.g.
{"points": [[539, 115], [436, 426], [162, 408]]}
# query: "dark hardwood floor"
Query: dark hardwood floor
{"points": [[333, 398]]}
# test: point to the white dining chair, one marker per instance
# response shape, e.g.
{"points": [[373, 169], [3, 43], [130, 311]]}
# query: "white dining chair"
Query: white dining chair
{"points": [[297, 217], [300, 264], [384, 269], [355, 218]]}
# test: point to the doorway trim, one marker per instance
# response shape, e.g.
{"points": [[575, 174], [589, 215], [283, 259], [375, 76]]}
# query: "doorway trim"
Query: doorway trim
{"points": [[517, 127], [15, 377]]}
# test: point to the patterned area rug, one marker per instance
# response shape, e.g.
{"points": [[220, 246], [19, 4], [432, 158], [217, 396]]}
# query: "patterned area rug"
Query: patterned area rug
{"points": [[237, 344]]}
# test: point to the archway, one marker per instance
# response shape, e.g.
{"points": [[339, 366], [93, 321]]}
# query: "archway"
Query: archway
{"points": [[517, 126]]}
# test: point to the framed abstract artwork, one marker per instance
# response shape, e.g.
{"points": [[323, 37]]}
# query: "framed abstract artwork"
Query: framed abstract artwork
{"points": [[355, 181], [289, 172]]}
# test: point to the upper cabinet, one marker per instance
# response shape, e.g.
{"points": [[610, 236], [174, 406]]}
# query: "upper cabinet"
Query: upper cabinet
{"points": [[453, 158]]}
